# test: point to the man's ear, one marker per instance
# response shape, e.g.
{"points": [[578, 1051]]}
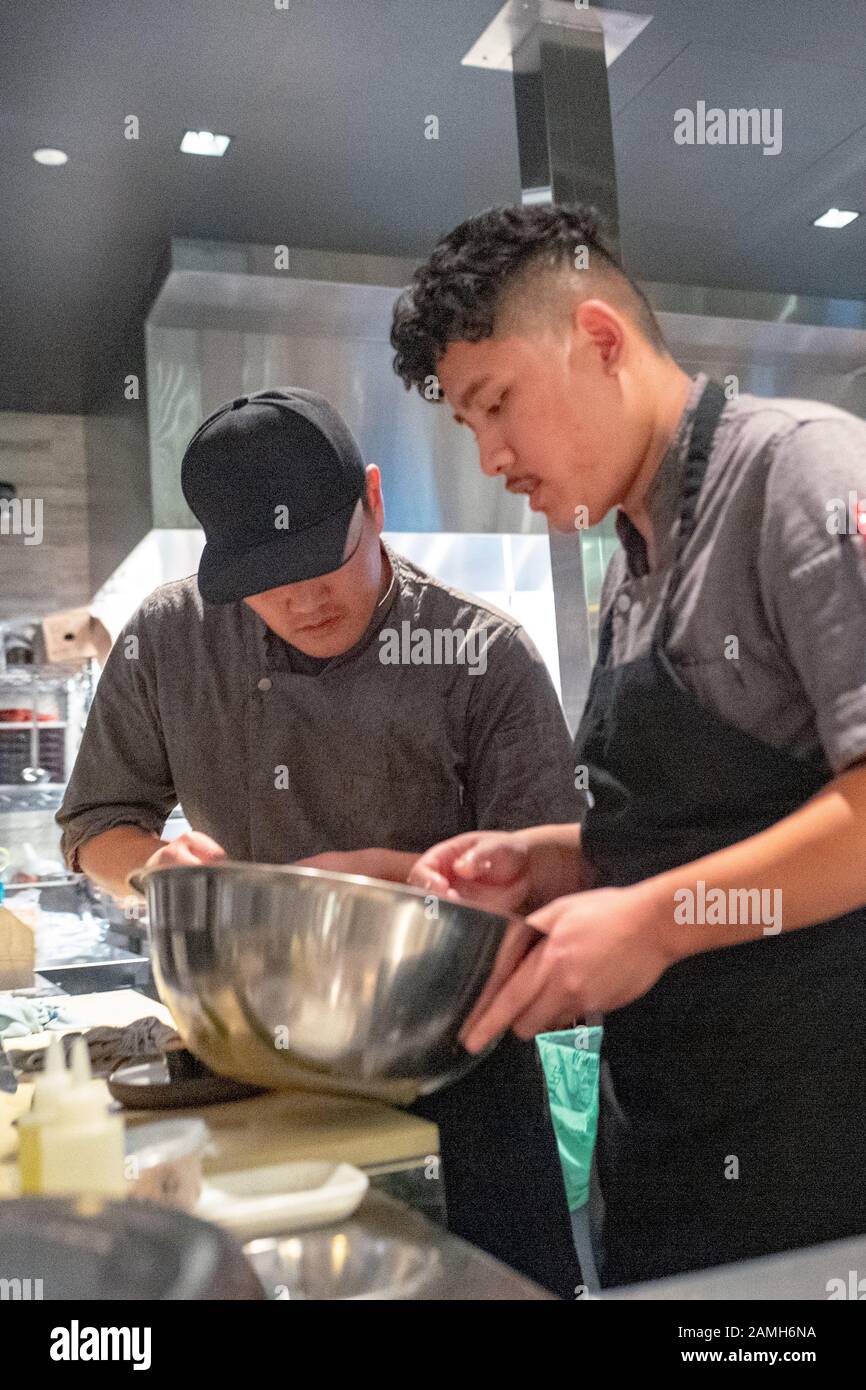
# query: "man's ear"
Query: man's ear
{"points": [[375, 500], [603, 326]]}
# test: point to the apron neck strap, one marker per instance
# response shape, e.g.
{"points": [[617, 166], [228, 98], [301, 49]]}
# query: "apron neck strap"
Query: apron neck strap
{"points": [[706, 418]]}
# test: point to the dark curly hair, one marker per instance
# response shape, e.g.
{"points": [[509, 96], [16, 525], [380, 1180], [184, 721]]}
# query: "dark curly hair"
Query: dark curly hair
{"points": [[459, 293]]}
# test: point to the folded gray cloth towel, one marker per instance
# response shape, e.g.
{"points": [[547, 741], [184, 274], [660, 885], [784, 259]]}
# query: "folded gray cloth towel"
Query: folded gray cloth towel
{"points": [[108, 1047]]}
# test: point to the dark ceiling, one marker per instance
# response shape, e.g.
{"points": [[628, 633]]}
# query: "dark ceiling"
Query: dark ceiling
{"points": [[326, 101]]}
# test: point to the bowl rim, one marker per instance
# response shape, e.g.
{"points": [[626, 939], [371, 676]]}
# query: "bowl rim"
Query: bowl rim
{"points": [[335, 876]]}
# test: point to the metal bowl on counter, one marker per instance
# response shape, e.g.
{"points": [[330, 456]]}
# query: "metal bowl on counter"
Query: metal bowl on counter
{"points": [[334, 1264], [287, 976]]}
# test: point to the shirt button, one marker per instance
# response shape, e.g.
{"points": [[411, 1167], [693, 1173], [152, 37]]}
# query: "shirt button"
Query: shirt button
{"points": [[623, 603], [265, 683]]}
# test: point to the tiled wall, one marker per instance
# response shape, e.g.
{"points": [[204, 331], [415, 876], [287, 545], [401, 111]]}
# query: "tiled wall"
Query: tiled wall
{"points": [[44, 456]]}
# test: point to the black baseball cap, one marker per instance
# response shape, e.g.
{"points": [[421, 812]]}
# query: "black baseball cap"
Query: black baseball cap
{"points": [[274, 479]]}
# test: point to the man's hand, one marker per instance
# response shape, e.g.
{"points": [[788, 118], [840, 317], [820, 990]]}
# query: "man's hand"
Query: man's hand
{"points": [[112, 856], [602, 949], [193, 847], [489, 869], [505, 871]]}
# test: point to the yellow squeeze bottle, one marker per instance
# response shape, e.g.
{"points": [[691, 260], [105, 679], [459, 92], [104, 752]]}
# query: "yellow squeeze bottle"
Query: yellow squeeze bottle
{"points": [[81, 1144], [52, 1083]]}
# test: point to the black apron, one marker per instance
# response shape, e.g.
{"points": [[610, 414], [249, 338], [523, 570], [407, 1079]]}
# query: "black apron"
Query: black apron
{"points": [[500, 1165], [732, 1109]]}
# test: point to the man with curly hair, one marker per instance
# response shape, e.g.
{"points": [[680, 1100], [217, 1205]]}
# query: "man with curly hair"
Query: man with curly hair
{"points": [[711, 907]]}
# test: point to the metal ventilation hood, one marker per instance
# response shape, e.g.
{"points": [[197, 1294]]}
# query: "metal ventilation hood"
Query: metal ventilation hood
{"points": [[226, 322]]}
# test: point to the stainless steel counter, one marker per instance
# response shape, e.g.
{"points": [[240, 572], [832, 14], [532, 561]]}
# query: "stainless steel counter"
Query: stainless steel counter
{"points": [[386, 1251], [820, 1272]]}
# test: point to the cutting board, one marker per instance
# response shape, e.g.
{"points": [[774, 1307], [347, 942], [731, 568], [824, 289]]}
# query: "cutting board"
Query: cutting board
{"points": [[276, 1127]]}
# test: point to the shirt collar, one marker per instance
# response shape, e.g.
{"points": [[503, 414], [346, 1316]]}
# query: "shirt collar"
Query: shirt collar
{"points": [[663, 495]]}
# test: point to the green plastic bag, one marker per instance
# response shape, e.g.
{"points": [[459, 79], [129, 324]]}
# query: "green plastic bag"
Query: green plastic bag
{"points": [[571, 1065]]}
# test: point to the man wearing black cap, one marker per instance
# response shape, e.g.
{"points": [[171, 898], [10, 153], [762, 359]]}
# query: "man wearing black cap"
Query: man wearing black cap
{"points": [[313, 694]]}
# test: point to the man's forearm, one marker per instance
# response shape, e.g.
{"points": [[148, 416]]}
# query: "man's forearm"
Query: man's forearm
{"points": [[808, 868], [558, 866], [393, 865], [111, 857]]}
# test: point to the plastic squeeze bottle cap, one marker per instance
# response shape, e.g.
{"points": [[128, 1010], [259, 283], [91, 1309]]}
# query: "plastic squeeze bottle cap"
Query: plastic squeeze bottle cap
{"points": [[85, 1095], [54, 1081]]}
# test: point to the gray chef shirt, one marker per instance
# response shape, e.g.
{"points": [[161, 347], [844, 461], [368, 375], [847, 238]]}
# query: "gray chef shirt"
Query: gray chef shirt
{"points": [[278, 758], [769, 619]]}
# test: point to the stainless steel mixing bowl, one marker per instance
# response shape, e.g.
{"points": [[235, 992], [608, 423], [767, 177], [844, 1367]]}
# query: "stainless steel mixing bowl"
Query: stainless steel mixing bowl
{"points": [[292, 976]]}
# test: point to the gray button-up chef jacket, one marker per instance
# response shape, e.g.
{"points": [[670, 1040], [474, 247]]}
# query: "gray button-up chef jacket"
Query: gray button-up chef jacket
{"points": [[205, 706]]}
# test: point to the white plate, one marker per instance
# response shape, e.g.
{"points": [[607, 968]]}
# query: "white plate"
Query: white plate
{"points": [[285, 1197]]}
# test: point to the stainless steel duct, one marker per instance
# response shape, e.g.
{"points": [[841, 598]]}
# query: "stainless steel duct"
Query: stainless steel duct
{"points": [[556, 51]]}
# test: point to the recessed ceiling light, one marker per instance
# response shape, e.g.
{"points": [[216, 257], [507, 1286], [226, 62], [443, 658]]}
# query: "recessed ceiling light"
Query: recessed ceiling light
{"points": [[835, 217], [46, 156], [204, 142]]}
